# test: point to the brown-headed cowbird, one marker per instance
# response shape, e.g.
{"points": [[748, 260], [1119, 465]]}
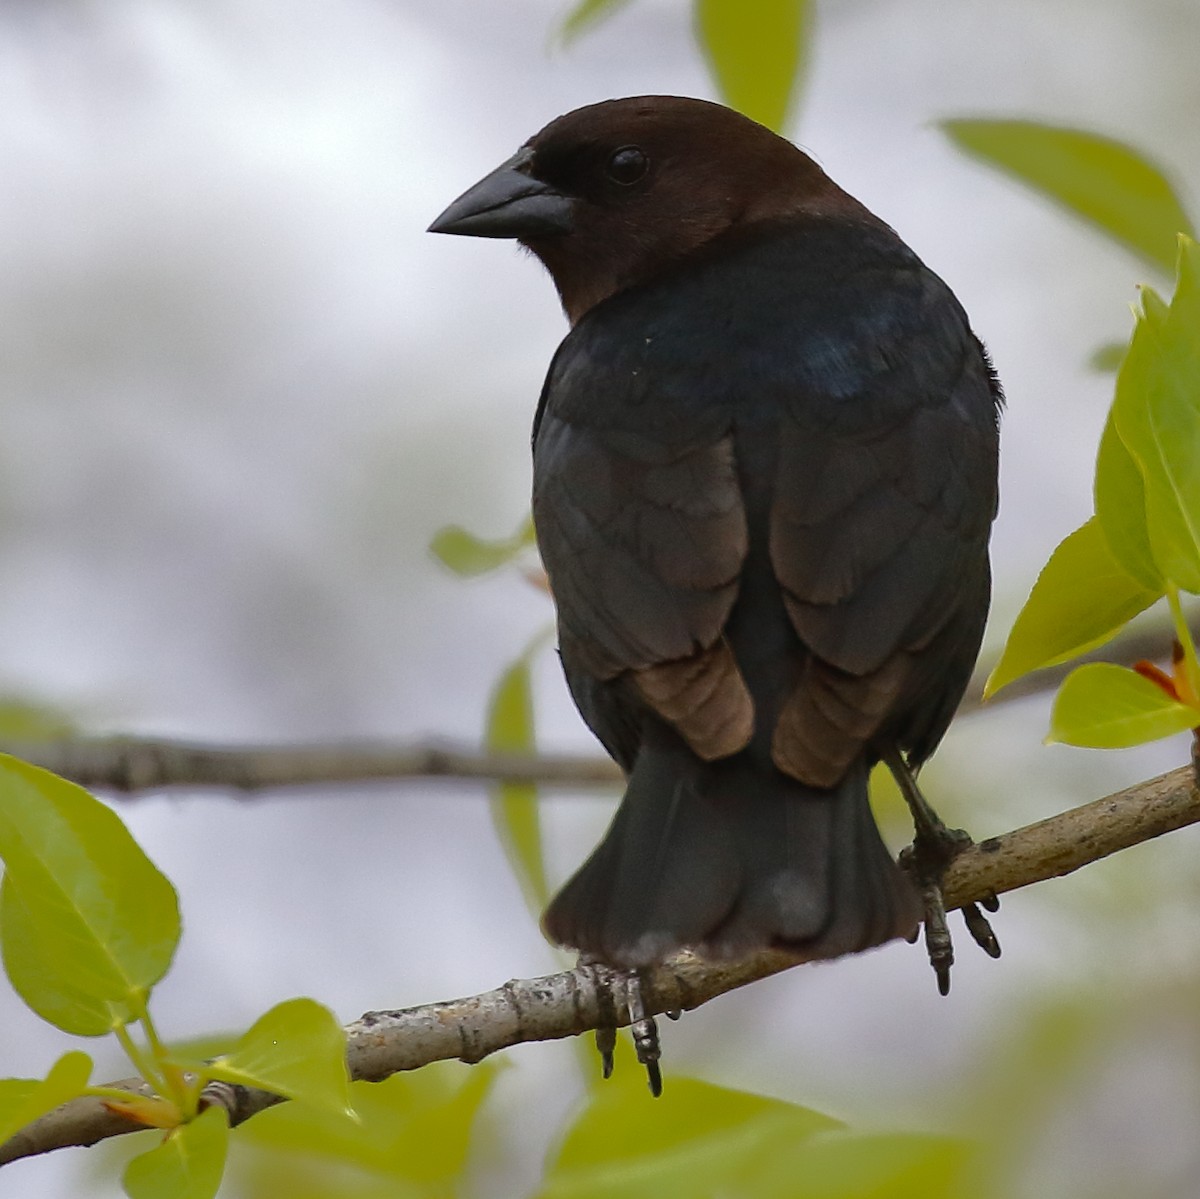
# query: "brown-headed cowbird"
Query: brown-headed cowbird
{"points": [[764, 478]]}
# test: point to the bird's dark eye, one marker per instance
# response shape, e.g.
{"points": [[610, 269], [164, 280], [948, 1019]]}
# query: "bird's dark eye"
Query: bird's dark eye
{"points": [[627, 165]]}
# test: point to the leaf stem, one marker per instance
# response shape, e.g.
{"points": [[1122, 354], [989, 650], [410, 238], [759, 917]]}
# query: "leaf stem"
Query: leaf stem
{"points": [[145, 1064]]}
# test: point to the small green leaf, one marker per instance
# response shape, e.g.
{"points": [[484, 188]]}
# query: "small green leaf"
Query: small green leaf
{"points": [[23, 1100], [1103, 706], [189, 1164], [514, 806], [1081, 599], [756, 51], [297, 1049], [1120, 499], [1101, 180], [702, 1140], [85, 917], [586, 16], [468, 555], [1157, 415]]}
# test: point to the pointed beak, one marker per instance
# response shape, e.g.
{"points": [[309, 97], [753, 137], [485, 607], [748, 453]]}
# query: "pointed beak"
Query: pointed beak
{"points": [[508, 203]]}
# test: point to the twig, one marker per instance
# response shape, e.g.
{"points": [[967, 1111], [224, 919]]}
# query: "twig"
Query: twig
{"points": [[574, 1001], [133, 766]]}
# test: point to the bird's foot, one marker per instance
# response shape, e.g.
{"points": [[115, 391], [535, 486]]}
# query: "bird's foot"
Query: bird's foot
{"points": [[623, 988], [934, 847]]}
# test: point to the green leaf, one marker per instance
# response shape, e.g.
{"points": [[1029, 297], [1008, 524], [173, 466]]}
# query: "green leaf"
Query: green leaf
{"points": [[586, 16], [468, 555], [701, 1140], [514, 806], [43, 983], [87, 923], [1120, 499], [23, 1100], [1101, 180], [1081, 599], [756, 51], [416, 1127], [189, 1164], [297, 1049], [1103, 706], [1157, 415]]}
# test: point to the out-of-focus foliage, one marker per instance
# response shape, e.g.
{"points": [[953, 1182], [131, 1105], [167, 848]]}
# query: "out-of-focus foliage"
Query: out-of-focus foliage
{"points": [[413, 1139], [708, 1142], [466, 554], [1097, 178], [586, 14], [514, 806], [23, 720], [757, 52]]}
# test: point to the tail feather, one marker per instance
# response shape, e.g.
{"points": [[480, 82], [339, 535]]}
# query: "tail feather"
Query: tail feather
{"points": [[730, 857]]}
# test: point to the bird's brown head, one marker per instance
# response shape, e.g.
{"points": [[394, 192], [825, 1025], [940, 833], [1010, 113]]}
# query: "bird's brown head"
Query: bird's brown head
{"points": [[609, 195]]}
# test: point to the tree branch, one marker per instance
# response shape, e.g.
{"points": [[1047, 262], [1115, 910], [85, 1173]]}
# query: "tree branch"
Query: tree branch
{"points": [[574, 1001], [132, 766]]}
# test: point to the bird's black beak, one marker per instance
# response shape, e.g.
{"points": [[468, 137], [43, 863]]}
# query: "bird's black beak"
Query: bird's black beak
{"points": [[508, 203]]}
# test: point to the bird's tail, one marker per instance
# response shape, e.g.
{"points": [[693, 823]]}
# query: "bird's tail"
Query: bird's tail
{"points": [[730, 857]]}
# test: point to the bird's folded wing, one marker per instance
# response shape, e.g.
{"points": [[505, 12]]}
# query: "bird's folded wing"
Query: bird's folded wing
{"points": [[644, 536], [880, 515]]}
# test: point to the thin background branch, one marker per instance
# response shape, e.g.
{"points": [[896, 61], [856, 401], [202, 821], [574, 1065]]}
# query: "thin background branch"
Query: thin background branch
{"points": [[136, 765]]}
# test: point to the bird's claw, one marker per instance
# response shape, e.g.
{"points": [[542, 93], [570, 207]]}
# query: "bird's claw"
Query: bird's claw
{"points": [[644, 1032], [626, 985], [606, 1045], [934, 847]]}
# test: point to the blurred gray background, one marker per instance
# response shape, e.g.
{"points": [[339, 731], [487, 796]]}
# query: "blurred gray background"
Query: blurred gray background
{"points": [[242, 388]]}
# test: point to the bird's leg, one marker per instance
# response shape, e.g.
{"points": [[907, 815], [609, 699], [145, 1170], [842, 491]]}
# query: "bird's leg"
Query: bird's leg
{"points": [[934, 847], [624, 987]]}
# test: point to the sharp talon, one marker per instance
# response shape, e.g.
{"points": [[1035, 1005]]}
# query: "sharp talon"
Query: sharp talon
{"points": [[990, 902], [654, 1079], [606, 1044], [677, 1014], [645, 1034], [981, 930], [938, 943], [605, 980], [649, 1051]]}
